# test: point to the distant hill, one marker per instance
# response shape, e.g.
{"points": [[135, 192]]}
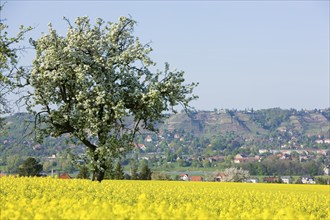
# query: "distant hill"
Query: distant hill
{"points": [[259, 128], [251, 123]]}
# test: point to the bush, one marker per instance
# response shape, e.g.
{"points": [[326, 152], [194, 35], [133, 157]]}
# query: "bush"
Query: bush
{"points": [[160, 176], [30, 167]]}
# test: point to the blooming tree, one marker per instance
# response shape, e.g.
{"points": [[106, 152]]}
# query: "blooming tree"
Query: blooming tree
{"points": [[9, 69], [95, 84], [233, 174]]}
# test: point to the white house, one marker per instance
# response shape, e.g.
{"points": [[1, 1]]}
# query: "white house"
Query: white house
{"points": [[319, 141], [307, 180], [286, 179], [184, 177], [148, 138], [252, 180], [261, 151]]}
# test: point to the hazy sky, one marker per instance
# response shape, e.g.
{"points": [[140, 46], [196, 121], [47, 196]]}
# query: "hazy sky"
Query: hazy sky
{"points": [[244, 54]]}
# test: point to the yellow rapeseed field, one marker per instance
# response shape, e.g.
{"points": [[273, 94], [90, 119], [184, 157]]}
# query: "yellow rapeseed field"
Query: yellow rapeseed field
{"points": [[47, 198]]}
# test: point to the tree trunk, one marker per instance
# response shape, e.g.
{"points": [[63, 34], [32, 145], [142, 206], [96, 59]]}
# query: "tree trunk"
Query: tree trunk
{"points": [[98, 174]]}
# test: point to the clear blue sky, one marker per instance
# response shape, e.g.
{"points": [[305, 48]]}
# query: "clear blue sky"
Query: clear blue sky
{"points": [[244, 54]]}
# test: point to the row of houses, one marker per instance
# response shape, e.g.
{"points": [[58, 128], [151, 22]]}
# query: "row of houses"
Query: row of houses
{"points": [[149, 139], [186, 177], [303, 155], [323, 141], [288, 180], [61, 176], [298, 151], [220, 176], [282, 179]]}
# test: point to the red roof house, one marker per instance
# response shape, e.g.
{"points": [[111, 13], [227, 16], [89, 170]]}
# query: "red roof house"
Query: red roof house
{"points": [[196, 178], [65, 176]]}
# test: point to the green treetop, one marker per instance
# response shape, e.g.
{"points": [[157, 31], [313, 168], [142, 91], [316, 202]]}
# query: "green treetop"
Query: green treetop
{"points": [[91, 81]]}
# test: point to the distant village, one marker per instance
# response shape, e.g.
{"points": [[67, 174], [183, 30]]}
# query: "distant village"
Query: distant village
{"points": [[211, 141], [280, 179]]}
